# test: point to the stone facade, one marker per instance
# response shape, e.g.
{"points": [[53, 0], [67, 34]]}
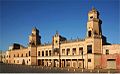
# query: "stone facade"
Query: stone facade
{"points": [[93, 52]]}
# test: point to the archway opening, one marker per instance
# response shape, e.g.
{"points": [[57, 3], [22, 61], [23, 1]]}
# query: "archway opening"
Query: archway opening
{"points": [[89, 33]]}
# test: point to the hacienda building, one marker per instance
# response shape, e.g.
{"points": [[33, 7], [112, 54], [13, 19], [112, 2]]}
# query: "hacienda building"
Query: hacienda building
{"points": [[92, 52]]}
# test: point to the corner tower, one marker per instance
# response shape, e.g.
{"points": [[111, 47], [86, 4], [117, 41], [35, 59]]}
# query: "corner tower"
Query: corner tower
{"points": [[94, 24], [93, 40]]}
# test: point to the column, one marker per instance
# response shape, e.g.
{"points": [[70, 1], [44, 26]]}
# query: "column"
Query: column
{"points": [[48, 53], [70, 62], [65, 63], [71, 50], [52, 62], [59, 62], [44, 52], [65, 52], [44, 62], [77, 63]]}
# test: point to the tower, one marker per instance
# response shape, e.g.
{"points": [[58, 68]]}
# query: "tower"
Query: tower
{"points": [[34, 38], [94, 24], [34, 41], [57, 39], [93, 40], [56, 42]]}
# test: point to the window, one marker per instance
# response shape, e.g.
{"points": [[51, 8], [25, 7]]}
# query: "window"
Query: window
{"points": [[81, 51], [89, 33], [4, 56], [27, 62], [50, 53], [91, 17], [29, 59], [18, 55], [107, 52], [14, 61], [89, 48], [29, 53], [14, 55], [74, 51], [17, 61], [89, 60], [111, 59], [68, 51], [46, 53], [38, 53], [68, 63], [9, 56], [63, 51], [26, 54], [42, 53], [56, 41], [22, 55]]}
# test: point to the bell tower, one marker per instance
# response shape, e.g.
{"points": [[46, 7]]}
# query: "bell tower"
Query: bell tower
{"points": [[93, 40], [34, 41], [94, 24], [34, 38]]}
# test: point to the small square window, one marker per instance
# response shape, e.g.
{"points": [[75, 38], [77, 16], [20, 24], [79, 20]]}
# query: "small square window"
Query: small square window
{"points": [[107, 52], [89, 60]]}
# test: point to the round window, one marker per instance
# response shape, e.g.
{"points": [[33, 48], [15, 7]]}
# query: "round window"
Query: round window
{"points": [[56, 41]]}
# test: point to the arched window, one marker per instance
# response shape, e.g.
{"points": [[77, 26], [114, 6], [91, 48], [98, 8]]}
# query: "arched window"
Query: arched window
{"points": [[89, 33], [22, 55], [29, 53], [26, 54], [18, 55], [23, 62], [42, 53], [38, 53], [27, 61]]}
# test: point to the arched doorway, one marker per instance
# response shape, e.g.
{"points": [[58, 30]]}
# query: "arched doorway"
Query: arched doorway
{"points": [[23, 62]]}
